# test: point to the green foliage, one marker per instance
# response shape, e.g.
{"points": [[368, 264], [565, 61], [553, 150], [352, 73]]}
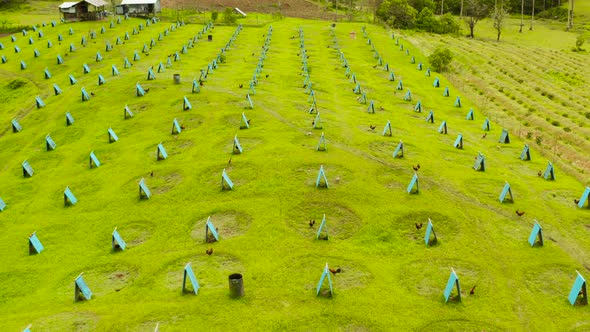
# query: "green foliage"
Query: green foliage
{"points": [[214, 16], [228, 16], [397, 13], [448, 24], [426, 21], [440, 59], [580, 40]]}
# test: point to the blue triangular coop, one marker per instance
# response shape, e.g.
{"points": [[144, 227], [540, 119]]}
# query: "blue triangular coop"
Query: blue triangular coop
{"points": [[139, 90], [151, 75], [81, 290], [480, 162], [413, 187], [526, 153], [430, 236], [117, 242], [86, 69], [127, 114], [226, 183], [504, 137], [387, 130], [27, 169], [458, 142], [39, 102], [418, 107], [93, 161], [400, 85], [237, 147], [144, 191], [47, 73], [585, 198], [536, 232], [458, 102], [506, 194], [430, 117], [322, 180], [49, 143], [549, 173], [16, 127], [211, 234], [452, 283], [161, 153], [101, 80], [578, 294], [436, 83], [442, 129], [69, 119], [325, 275], [35, 246], [486, 125], [399, 150], [371, 108], [85, 95], [322, 143], [186, 105], [470, 115], [114, 70], [446, 93], [69, 198], [196, 86], [56, 89], [244, 122], [322, 232], [72, 79], [188, 273], [176, 129], [408, 95], [317, 122], [112, 136], [2, 205]]}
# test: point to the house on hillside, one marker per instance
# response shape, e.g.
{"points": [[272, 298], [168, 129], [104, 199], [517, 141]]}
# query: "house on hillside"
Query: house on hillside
{"points": [[139, 7], [85, 10]]}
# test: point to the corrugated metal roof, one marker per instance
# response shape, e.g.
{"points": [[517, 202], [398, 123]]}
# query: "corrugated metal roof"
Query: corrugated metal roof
{"points": [[66, 5], [97, 3], [138, 2]]}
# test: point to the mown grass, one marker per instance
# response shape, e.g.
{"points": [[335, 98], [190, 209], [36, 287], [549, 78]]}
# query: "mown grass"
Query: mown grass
{"points": [[390, 279]]}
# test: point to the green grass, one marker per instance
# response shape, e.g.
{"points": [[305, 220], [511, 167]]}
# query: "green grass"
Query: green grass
{"points": [[391, 281]]}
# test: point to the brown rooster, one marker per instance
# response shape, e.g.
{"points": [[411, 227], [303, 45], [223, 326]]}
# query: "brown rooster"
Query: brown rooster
{"points": [[519, 213], [209, 251]]}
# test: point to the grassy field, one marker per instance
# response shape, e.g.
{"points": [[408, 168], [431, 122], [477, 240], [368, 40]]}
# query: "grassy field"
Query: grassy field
{"points": [[390, 279]]}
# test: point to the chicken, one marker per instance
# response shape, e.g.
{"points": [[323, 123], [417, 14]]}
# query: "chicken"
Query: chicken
{"points": [[229, 161], [241, 86], [267, 75], [209, 251], [311, 222], [147, 90], [472, 291], [91, 93], [248, 121], [152, 174], [576, 201], [372, 127], [484, 135], [418, 226], [336, 271], [416, 168], [182, 127], [519, 213]]}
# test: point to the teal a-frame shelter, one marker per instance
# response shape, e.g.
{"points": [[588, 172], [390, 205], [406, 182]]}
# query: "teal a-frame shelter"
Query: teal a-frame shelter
{"points": [[430, 117], [506, 194], [486, 125], [387, 130], [504, 137], [418, 107], [81, 290], [69, 119], [35, 246], [325, 275], [480, 162], [322, 146], [93, 161], [176, 129], [578, 293], [430, 236], [69, 198], [585, 198], [226, 182], [549, 173], [536, 233], [458, 142], [413, 187], [188, 273], [399, 150], [161, 153], [127, 114], [112, 136], [244, 122], [317, 122], [27, 169], [408, 95], [211, 234], [458, 102], [470, 115], [446, 92], [117, 242], [16, 127], [452, 283], [2, 205], [442, 129], [139, 91], [322, 180], [144, 191], [186, 105], [237, 147], [322, 233], [526, 153]]}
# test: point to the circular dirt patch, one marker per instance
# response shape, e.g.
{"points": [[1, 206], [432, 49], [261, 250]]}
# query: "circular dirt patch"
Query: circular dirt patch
{"points": [[336, 174], [210, 271], [229, 224], [136, 232], [341, 221], [553, 280], [102, 280], [352, 275], [444, 226], [163, 182], [173, 146]]}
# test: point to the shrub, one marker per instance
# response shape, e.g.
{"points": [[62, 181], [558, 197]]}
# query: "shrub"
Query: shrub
{"points": [[440, 59], [214, 16], [228, 16]]}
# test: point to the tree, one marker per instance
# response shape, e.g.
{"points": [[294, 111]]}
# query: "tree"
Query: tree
{"points": [[498, 16], [521, 15], [426, 20], [440, 59], [397, 13], [448, 24], [228, 16], [475, 10], [532, 16]]}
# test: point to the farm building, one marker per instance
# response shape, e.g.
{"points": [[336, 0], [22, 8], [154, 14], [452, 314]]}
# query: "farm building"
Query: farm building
{"points": [[139, 7], [85, 10]]}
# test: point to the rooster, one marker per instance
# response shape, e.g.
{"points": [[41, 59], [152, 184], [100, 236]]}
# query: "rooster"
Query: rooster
{"points": [[152, 174], [372, 127], [418, 225], [336, 271], [416, 168], [472, 291], [484, 135], [539, 173], [576, 201], [209, 251], [519, 213], [241, 86], [311, 223]]}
